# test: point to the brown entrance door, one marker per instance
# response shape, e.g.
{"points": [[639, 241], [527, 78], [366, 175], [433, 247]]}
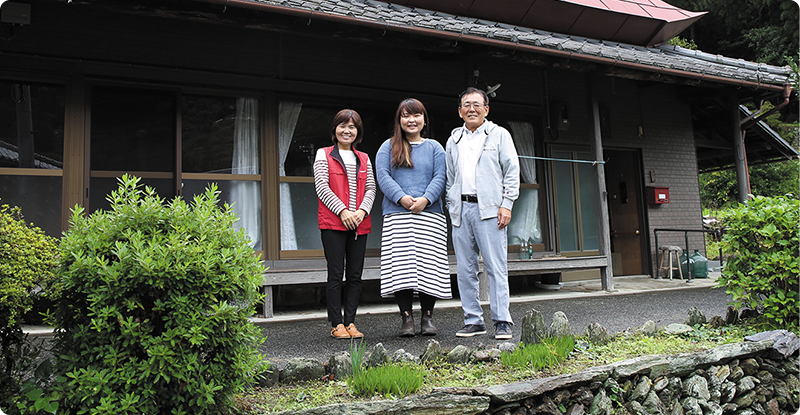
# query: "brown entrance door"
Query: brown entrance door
{"points": [[625, 201]]}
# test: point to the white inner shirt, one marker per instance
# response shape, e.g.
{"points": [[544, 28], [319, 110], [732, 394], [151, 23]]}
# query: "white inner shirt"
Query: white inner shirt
{"points": [[348, 157], [469, 151]]}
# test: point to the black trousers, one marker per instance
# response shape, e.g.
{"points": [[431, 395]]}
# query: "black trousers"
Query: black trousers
{"points": [[344, 253]]}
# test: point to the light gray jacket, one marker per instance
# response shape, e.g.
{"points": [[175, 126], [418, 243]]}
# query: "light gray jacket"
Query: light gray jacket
{"points": [[496, 175]]}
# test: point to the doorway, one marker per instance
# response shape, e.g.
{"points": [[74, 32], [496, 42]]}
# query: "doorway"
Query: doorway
{"points": [[624, 183]]}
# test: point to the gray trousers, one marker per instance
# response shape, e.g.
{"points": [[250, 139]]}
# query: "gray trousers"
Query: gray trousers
{"points": [[476, 236]]}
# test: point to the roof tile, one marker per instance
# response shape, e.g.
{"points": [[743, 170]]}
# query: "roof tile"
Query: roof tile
{"points": [[664, 56]]}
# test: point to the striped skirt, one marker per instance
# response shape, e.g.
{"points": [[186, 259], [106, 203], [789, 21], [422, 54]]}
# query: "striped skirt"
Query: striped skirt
{"points": [[414, 254]]}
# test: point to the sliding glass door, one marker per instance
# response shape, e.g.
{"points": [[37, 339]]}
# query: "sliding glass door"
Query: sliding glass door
{"points": [[178, 144]]}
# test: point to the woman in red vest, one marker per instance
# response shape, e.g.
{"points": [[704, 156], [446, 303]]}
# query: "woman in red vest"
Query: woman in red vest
{"points": [[346, 189]]}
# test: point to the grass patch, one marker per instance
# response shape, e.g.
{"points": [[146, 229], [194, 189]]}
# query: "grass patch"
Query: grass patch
{"points": [[442, 374], [549, 352], [392, 380]]}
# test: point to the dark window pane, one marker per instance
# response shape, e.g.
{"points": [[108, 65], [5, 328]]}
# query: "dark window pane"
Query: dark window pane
{"points": [[38, 196], [220, 135], [31, 125], [133, 130]]}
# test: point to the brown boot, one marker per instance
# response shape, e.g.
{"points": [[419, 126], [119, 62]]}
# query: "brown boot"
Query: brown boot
{"points": [[426, 325], [407, 329]]}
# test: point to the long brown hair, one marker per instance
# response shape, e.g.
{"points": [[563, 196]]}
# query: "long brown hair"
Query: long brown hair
{"points": [[344, 116], [401, 148]]}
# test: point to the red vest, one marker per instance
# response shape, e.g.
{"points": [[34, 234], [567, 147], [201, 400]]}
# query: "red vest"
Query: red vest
{"points": [[337, 179]]}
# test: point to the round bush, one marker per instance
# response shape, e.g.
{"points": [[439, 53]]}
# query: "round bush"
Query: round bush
{"points": [[153, 304], [763, 272], [28, 259]]}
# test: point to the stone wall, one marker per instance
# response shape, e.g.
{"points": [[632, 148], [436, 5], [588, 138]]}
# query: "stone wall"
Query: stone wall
{"points": [[748, 378]]}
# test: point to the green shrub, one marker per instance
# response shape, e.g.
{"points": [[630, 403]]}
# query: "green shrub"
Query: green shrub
{"points": [[549, 352], [28, 259], [763, 273], [152, 306]]}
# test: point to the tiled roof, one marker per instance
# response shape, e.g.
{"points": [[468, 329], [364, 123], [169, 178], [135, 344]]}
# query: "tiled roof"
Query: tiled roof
{"points": [[10, 152], [669, 59]]}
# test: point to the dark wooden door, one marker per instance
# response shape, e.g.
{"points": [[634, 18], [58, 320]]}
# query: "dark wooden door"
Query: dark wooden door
{"points": [[625, 201]]}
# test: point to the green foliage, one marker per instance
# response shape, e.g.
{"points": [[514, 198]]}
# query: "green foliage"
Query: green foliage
{"points": [[718, 189], [756, 30], [28, 259], [34, 398], [549, 352], [684, 43], [393, 380], [152, 306], [763, 274]]}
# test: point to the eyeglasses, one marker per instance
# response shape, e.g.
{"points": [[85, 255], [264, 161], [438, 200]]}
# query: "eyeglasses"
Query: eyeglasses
{"points": [[468, 105]]}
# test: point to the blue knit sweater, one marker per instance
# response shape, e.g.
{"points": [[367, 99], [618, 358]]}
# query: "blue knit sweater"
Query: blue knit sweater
{"points": [[426, 178]]}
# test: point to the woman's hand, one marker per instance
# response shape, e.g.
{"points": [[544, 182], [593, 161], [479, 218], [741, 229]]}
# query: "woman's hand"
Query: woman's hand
{"points": [[419, 204], [351, 220], [406, 201]]}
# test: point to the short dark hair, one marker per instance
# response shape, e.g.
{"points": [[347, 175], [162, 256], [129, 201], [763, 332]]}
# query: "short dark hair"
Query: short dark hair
{"points": [[344, 116], [473, 90]]}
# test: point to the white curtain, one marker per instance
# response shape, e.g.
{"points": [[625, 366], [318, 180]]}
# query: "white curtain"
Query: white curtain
{"points": [[522, 133], [288, 113], [246, 195], [525, 224]]}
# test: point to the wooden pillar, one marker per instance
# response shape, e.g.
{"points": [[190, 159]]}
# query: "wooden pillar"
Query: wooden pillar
{"points": [[740, 154], [74, 180], [603, 232]]}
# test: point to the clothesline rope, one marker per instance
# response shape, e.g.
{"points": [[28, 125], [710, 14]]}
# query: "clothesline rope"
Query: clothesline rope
{"points": [[592, 162]]}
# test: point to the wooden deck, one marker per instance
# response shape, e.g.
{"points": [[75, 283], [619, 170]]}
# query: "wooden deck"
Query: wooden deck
{"points": [[313, 271]]}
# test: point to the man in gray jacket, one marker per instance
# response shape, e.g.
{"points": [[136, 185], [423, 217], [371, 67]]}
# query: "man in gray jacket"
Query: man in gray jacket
{"points": [[482, 185]]}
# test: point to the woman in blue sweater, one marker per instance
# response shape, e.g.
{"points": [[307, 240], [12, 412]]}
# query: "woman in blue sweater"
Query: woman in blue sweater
{"points": [[411, 173]]}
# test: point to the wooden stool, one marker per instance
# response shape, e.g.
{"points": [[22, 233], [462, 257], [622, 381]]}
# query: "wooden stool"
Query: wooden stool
{"points": [[669, 251]]}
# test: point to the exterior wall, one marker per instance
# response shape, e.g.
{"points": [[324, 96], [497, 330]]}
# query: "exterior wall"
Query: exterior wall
{"points": [[666, 145], [282, 57]]}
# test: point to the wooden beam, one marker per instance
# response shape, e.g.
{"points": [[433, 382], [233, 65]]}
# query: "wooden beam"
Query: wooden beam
{"points": [[720, 145]]}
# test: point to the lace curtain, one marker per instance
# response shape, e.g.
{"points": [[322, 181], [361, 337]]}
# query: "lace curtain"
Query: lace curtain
{"points": [[525, 224], [246, 195], [288, 113]]}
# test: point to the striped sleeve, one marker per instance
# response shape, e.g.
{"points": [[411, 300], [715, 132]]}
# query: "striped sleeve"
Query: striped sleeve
{"points": [[322, 184], [369, 194]]}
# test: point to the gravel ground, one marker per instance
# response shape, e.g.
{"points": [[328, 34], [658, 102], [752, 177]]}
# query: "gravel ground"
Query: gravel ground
{"points": [[616, 312]]}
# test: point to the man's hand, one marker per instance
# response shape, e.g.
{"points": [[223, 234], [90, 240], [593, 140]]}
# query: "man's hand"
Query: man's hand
{"points": [[503, 218]]}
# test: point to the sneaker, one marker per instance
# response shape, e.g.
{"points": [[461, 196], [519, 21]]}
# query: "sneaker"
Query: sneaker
{"points": [[339, 332], [470, 330], [353, 331], [502, 330]]}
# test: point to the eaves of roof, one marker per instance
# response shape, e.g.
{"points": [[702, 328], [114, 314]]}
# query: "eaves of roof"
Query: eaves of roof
{"points": [[768, 134], [665, 59]]}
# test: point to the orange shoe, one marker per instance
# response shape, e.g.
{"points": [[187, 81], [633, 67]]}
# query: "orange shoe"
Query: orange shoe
{"points": [[339, 332], [353, 331]]}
